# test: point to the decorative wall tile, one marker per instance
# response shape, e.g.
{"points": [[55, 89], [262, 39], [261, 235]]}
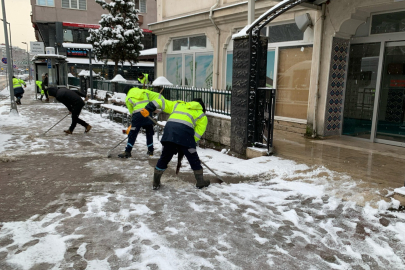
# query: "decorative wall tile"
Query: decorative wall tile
{"points": [[336, 87]]}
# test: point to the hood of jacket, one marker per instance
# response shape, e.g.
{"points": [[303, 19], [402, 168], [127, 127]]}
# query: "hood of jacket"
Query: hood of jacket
{"points": [[52, 91]]}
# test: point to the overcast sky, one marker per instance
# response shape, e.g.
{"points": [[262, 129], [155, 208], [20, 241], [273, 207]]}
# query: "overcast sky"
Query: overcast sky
{"points": [[18, 15]]}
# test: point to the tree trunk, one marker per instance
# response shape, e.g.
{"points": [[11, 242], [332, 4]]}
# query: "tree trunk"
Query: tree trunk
{"points": [[116, 68]]}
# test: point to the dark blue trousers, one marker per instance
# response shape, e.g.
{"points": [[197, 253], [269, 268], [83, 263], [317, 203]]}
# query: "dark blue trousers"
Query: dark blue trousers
{"points": [[134, 133], [170, 149]]}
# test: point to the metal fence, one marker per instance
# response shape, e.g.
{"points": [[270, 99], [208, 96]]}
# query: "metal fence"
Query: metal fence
{"points": [[216, 101]]}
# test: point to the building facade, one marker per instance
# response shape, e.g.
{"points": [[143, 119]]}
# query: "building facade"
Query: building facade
{"points": [[342, 75], [63, 22]]}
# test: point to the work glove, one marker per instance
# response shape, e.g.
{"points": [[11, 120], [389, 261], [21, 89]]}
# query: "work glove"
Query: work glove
{"points": [[145, 112]]}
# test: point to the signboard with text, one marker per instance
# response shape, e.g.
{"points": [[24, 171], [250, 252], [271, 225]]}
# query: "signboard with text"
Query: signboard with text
{"points": [[37, 47], [76, 53]]}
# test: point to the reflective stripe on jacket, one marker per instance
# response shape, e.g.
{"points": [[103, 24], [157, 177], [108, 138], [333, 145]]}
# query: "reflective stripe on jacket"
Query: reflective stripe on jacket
{"points": [[18, 83], [138, 98], [187, 113], [145, 78]]}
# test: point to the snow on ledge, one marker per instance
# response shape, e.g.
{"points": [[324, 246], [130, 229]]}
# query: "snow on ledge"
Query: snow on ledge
{"points": [[118, 78], [77, 46], [70, 75], [218, 115]]}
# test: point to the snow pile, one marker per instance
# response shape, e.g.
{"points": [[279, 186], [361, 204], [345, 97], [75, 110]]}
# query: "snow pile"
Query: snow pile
{"points": [[161, 81], [400, 191], [118, 78], [86, 73]]}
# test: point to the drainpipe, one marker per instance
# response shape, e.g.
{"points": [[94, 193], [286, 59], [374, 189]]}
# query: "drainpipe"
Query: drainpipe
{"points": [[314, 127], [218, 36]]}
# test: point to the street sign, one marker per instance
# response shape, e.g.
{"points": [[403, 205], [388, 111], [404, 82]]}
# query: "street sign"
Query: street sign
{"points": [[4, 60], [49, 63], [37, 47], [14, 66]]}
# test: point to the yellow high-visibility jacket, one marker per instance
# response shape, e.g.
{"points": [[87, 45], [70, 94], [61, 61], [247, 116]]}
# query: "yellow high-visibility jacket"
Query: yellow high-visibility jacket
{"points": [[39, 84], [183, 117], [145, 78], [18, 83], [138, 98]]}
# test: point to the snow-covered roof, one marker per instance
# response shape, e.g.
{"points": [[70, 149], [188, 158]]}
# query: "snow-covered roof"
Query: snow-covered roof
{"points": [[47, 56], [86, 73], [118, 78], [74, 60], [77, 46], [161, 81], [152, 51]]}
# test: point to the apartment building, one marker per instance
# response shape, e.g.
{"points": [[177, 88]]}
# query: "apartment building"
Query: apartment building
{"points": [[61, 23], [342, 75]]}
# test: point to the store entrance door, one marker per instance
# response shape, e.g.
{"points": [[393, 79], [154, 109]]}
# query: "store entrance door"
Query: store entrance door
{"points": [[390, 126]]}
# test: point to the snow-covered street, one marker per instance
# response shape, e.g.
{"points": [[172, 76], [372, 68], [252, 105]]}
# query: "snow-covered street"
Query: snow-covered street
{"points": [[65, 205]]}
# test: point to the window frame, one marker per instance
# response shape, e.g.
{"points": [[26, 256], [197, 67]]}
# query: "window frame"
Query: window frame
{"points": [[46, 5], [146, 6], [380, 13], [188, 44], [70, 5]]}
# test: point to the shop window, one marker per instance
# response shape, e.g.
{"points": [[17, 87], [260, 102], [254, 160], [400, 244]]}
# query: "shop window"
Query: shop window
{"points": [[49, 3], [75, 35], [174, 69], [269, 70], [190, 43], [180, 44], [204, 70], [293, 80], [198, 42], [140, 5], [74, 4], [284, 33], [388, 23], [67, 35]]}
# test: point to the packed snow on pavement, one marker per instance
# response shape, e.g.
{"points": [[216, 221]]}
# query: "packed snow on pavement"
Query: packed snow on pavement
{"points": [[282, 215]]}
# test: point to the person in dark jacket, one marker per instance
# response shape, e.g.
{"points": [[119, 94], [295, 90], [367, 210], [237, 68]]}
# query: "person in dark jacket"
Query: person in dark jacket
{"points": [[45, 87], [73, 101]]}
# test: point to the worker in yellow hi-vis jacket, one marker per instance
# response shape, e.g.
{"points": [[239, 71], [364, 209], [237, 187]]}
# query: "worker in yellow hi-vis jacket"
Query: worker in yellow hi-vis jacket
{"points": [[136, 100], [184, 128]]}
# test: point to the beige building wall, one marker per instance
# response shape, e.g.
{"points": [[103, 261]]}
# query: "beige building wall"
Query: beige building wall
{"points": [[90, 16], [59, 14]]}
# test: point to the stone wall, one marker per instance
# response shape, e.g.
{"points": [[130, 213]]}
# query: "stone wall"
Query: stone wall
{"points": [[218, 129]]}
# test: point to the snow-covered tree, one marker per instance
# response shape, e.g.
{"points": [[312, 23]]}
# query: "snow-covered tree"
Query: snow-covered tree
{"points": [[119, 35]]}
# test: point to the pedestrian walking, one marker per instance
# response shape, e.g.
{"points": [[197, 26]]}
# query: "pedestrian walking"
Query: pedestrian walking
{"points": [[136, 100], [73, 101], [184, 128], [39, 84], [18, 90], [45, 87]]}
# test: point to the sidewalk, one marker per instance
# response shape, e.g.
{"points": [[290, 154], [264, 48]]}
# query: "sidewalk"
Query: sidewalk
{"points": [[65, 205]]}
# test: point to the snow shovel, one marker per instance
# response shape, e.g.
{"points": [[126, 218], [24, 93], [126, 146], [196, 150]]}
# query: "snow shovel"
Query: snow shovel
{"points": [[109, 151], [55, 124], [219, 177], [180, 157]]}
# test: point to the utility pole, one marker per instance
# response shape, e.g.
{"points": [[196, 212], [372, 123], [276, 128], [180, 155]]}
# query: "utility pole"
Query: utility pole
{"points": [[28, 62], [13, 108], [91, 75]]}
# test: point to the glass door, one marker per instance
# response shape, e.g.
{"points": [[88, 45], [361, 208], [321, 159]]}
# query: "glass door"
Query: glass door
{"points": [[360, 90], [391, 111]]}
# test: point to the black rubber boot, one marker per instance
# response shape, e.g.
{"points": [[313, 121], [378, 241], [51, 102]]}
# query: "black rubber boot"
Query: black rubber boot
{"points": [[156, 179], [125, 155], [201, 183], [150, 153]]}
